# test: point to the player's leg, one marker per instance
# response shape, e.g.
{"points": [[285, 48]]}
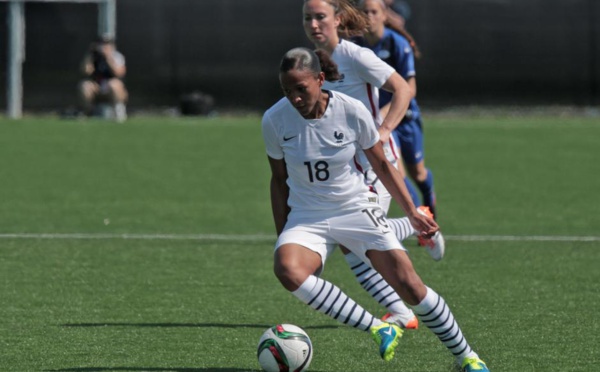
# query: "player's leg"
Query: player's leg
{"points": [[400, 165], [118, 97], [424, 180], [395, 266], [296, 266], [372, 282], [413, 153], [402, 228], [88, 90]]}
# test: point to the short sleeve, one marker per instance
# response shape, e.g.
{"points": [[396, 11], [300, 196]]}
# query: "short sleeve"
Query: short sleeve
{"points": [[272, 144], [119, 58], [368, 135], [371, 68], [405, 58]]}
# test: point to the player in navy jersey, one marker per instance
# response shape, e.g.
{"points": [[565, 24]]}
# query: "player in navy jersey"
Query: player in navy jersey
{"points": [[397, 51], [319, 199], [362, 73]]}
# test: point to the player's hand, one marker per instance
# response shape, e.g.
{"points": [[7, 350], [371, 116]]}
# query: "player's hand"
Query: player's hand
{"points": [[384, 135], [425, 225]]}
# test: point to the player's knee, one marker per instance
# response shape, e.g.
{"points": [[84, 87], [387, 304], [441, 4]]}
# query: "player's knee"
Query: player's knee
{"points": [[418, 172], [86, 89], [413, 288], [290, 275], [117, 90]]}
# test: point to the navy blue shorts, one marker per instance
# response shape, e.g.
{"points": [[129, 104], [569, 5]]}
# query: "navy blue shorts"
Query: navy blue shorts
{"points": [[409, 136]]}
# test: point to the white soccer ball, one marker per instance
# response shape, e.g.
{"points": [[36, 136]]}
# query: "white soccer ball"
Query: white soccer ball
{"points": [[284, 347]]}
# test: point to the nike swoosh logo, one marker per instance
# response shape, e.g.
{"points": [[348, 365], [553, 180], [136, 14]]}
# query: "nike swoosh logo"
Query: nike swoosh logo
{"points": [[288, 138], [388, 332]]}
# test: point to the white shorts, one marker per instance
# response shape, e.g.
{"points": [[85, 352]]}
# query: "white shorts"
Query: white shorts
{"points": [[359, 231], [384, 198]]}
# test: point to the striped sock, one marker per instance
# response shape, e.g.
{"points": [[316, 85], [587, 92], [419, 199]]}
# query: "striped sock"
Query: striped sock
{"points": [[377, 287], [325, 297], [402, 227], [436, 315]]}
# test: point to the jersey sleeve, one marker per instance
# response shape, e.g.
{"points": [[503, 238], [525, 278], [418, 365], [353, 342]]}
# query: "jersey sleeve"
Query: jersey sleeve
{"points": [[273, 147], [405, 58], [368, 135], [119, 58], [371, 68]]}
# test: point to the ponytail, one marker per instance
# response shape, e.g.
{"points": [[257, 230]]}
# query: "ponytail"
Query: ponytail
{"points": [[316, 61], [328, 66]]}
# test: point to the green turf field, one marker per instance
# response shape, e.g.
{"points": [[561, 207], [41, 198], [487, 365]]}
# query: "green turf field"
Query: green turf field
{"points": [[147, 246]]}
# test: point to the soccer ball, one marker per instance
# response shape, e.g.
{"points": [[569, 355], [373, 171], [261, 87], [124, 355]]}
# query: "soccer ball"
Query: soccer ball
{"points": [[284, 347]]}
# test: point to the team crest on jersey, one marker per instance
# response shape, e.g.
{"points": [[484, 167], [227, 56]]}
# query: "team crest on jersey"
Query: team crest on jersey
{"points": [[339, 137], [384, 54]]}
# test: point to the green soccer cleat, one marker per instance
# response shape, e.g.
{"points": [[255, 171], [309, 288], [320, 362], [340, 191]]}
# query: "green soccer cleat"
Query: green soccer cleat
{"points": [[474, 365], [387, 336]]}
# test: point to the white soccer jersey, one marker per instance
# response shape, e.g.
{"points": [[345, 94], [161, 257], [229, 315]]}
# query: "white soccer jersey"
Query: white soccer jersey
{"points": [[363, 73], [318, 153]]}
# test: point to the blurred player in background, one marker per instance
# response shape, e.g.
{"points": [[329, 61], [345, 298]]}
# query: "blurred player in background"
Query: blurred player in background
{"points": [[362, 73], [397, 51], [104, 68], [319, 199], [397, 12]]}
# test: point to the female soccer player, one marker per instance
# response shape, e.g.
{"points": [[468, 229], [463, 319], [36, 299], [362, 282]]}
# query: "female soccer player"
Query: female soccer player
{"points": [[396, 50], [362, 73], [319, 199]]}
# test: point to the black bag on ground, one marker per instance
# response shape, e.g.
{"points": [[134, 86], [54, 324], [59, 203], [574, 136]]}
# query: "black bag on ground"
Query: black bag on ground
{"points": [[197, 103]]}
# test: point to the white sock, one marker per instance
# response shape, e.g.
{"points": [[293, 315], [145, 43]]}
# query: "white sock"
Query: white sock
{"points": [[325, 297], [377, 287], [436, 315], [402, 227]]}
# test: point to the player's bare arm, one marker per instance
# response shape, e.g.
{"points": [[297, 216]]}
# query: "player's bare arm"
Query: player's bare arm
{"points": [[398, 106], [393, 182], [279, 193]]}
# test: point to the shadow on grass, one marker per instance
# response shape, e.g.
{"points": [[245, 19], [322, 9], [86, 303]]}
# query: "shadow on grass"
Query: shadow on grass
{"points": [[150, 369], [190, 325]]}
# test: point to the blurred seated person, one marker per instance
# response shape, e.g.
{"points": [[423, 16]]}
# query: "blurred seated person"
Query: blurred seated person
{"points": [[103, 89]]}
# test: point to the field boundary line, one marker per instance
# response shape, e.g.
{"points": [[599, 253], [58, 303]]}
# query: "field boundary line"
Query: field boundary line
{"points": [[266, 237], [519, 238], [100, 236]]}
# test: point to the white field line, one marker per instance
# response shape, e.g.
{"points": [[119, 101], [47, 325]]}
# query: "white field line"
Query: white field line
{"points": [[515, 238], [77, 236], [265, 237]]}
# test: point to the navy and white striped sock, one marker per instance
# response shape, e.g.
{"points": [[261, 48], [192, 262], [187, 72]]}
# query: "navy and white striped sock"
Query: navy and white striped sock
{"points": [[325, 297], [377, 287], [402, 227], [436, 315]]}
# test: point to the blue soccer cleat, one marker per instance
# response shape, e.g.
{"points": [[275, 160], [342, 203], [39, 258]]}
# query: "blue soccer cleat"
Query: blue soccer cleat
{"points": [[387, 336]]}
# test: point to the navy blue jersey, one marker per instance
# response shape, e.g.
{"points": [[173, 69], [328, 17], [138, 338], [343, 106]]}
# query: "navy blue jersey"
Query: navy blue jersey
{"points": [[396, 51]]}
